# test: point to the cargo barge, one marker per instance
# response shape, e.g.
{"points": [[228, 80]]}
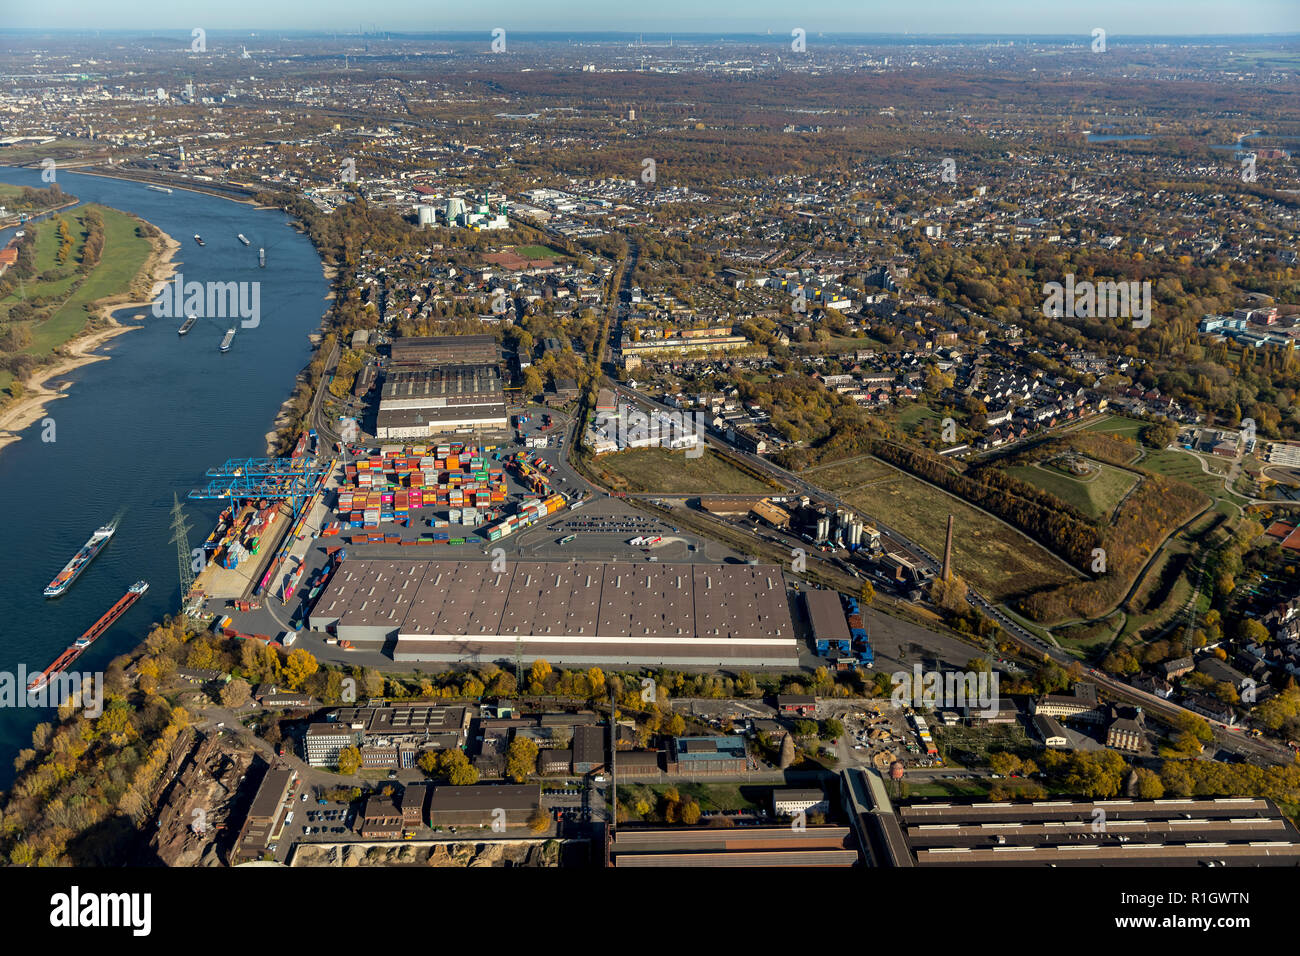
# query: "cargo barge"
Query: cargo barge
{"points": [[63, 580], [199, 239], [243, 238], [225, 342], [159, 189], [187, 325], [78, 647], [261, 257]]}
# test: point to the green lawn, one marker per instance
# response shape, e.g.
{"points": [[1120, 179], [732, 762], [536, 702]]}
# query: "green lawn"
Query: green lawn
{"points": [[1116, 425], [913, 415], [993, 556], [124, 254], [710, 796], [538, 252], [1185, 467], [1095, 495]]}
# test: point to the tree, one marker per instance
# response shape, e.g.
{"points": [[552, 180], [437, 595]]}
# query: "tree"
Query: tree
{"points": [[235, 694], [690, 812], [867, 594], [300, 666], [521, 759], [832, 729], [349, 761], [455, 766], [1252, 631], [540, 670], [428, 762]]}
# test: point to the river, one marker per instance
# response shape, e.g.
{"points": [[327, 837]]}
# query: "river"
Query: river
{"points": [[146, 423]]}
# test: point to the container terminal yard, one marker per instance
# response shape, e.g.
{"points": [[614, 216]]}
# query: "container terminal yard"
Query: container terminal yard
{"points": [[461, 552]]}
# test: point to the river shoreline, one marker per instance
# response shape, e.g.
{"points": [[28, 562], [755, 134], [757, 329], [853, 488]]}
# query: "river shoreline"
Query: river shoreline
{"points": [[160, 266], [193, 188]]}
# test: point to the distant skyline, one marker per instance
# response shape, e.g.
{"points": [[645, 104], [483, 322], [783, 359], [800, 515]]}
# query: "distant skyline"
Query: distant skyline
{"points": [[943, 17]]}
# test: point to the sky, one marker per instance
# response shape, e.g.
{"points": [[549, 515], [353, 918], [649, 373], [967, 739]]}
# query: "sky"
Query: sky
{"points": [[1117, 17]]}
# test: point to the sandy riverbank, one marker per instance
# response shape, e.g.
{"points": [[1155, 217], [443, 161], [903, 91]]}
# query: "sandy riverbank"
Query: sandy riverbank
{"points": [[31, 407]]}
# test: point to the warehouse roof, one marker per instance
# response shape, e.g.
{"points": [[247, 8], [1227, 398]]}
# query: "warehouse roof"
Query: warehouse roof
{"points": [[826, 613], [445, 385], [1178, 832], [368, 594], [522, 796], [436, 349], [565, 602]]}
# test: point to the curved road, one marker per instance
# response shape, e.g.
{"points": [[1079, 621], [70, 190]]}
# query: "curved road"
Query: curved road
{"points": [[1235, 740]]}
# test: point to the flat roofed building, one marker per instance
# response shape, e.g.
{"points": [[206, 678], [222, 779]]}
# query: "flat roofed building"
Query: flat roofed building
{"points": [[734, 846], [707, 755], [565, 612], [391, 736], [1171, 832], [265, 820], [445, 350], [446, 400], [477, 805], [322, 743], [367, 601], [826, 615], [787, 801]]}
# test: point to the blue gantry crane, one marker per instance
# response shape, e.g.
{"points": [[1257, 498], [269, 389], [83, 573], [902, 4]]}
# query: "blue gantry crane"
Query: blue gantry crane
{"points": [[293, 479]]}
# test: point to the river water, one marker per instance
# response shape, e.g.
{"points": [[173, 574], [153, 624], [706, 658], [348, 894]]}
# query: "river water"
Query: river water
{"points": [[145, 424]]}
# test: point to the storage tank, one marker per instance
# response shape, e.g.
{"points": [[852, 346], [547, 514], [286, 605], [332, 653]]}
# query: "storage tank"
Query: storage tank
{"points": [[426, 215]]}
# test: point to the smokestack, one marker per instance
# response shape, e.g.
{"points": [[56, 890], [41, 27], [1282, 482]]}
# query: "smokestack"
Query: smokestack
{"points": [[947, 553]]}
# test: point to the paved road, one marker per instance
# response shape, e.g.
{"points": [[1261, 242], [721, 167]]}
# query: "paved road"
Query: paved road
{"points": [[1028, 641]]}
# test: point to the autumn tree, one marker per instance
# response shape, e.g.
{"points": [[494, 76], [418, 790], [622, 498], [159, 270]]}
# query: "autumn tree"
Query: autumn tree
{"points": [[235, 694], [521, 759], [349, 761]]}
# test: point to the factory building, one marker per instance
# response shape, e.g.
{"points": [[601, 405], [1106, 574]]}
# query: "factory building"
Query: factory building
{"points": [[757, 846], [445, 350], [830, 626], [566, 612], [451, 400], [1195, 831]]}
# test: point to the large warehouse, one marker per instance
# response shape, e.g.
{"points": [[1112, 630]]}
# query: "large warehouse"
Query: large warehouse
{"points": [[446, 350], [463, 400], [566, 612]]}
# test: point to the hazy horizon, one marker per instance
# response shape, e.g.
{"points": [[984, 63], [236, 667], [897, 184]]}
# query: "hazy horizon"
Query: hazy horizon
{"points": [[1157, 18]]}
